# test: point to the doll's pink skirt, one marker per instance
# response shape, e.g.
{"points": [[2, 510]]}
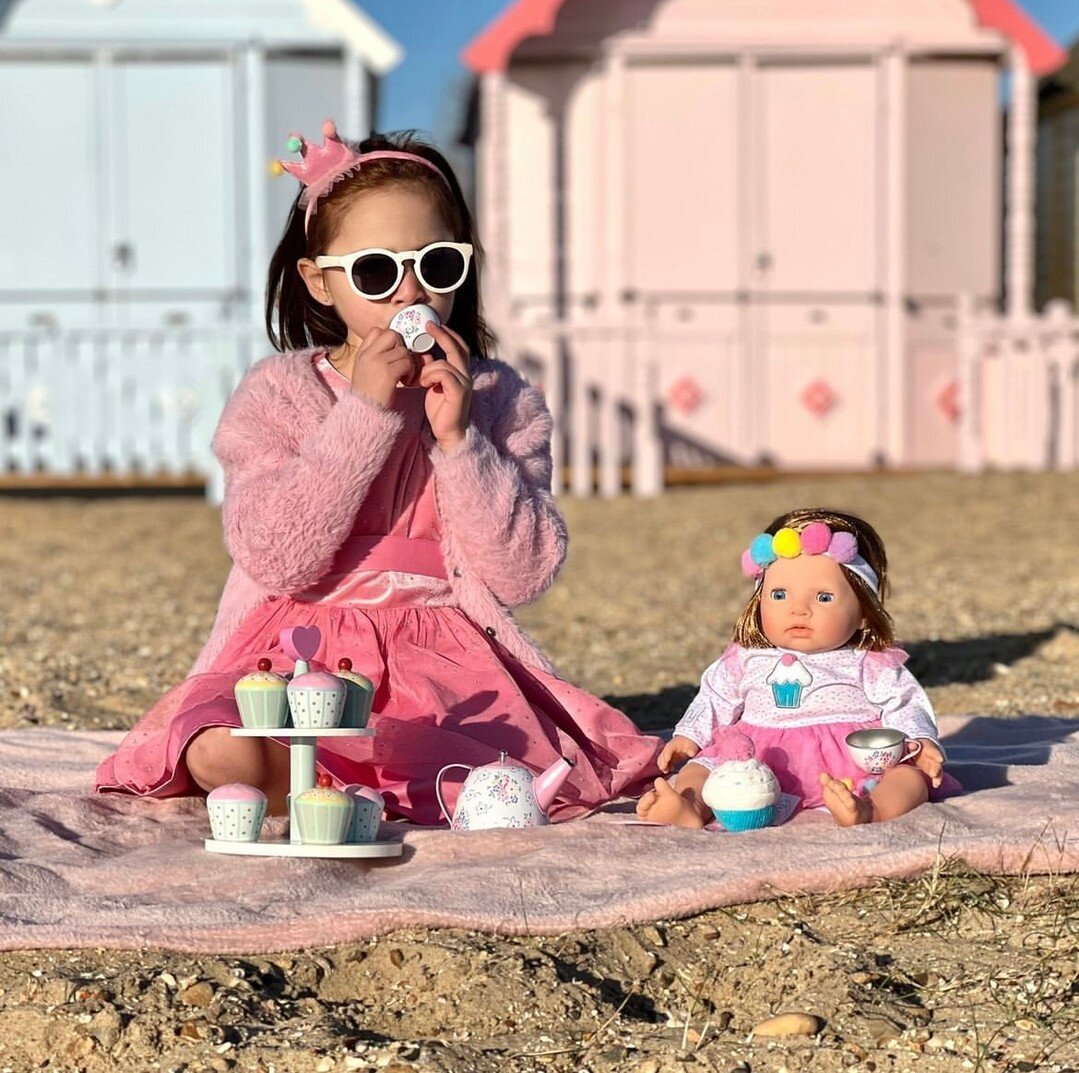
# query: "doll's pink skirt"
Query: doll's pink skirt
{"points": [[798, 755], [445, 693]]}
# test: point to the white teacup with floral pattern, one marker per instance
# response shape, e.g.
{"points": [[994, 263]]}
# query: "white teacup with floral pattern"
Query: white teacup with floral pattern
{"points": [[877, 749]]}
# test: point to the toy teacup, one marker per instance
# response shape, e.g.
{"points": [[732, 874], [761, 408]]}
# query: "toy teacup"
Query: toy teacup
{"points": [[880, 748]]}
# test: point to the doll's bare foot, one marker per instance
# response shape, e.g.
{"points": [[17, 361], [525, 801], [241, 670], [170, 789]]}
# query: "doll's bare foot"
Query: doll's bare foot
{"points": [[843, 804], [665, 804]]}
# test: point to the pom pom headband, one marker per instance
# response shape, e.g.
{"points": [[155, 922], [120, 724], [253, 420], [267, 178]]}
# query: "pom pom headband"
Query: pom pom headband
{"points": [[815, 539], [325, 165]]}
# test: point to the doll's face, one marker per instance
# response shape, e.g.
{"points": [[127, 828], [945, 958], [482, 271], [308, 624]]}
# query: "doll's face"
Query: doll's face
{"points": [[807, 605], [397, 218]]}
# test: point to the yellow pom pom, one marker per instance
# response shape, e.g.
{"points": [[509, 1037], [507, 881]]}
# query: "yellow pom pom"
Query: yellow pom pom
{"points": [[787, 544], [276, 169]]}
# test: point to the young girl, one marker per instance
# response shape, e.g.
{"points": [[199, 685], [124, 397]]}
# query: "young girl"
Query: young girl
{"points": [[812, 661], [397, 502]]}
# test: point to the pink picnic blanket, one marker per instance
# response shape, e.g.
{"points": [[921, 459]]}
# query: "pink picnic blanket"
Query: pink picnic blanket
{"points": [[80, 870]]}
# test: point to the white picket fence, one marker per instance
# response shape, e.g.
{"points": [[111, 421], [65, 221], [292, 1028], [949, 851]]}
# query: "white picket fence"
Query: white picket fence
{"points": [[1018, 390], [124, 402], [139, 402]]}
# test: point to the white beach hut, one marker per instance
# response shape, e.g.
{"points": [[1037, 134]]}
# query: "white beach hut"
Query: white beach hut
{"points": [[733, 232], [141, 211]]}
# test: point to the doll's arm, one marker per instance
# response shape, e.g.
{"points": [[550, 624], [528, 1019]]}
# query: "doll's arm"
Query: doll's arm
{"points": [[718, 702], [494, 495], [903, 703], [288, 509]]}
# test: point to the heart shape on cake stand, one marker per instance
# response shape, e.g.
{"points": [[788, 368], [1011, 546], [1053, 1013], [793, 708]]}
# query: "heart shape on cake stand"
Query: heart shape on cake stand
{"points": [[301, 642]]}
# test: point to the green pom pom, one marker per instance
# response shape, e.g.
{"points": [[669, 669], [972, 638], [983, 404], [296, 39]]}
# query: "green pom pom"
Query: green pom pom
{"points": [[294, 144]]}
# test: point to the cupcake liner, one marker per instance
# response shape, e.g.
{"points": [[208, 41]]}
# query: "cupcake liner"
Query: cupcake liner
{"points": [[745, 819], [366, 817], [320, 825], [316, 709], [787, 694], [357, 708], [262, 709], [236, 821]]}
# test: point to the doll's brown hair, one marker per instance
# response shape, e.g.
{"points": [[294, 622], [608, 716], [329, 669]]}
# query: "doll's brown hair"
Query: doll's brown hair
{"points": [[878, 633]]}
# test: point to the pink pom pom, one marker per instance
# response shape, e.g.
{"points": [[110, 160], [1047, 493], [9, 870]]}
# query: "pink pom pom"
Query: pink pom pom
{"points": [[731, 745], [843, 548], [815, 538], [749, 567], [329, 129]]}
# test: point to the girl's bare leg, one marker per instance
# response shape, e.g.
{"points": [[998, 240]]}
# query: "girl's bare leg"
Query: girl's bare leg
{"points": [[214, 758], [680, 804], [901, 789]]}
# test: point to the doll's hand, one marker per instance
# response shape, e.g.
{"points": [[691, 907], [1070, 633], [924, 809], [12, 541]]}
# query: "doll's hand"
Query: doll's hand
{"points": [[381, 362], [677, 751], [930, 761], [449, 388]]}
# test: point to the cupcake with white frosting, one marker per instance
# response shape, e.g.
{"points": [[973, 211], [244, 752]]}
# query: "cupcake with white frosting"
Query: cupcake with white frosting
{"points": [[741, 791]]}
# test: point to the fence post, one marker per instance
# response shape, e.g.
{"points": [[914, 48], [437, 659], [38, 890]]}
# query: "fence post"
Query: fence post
{"points": [[647, 432], [1062, 352], [968, 353]]}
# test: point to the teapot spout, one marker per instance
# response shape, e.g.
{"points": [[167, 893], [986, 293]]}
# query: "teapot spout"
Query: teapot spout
{"points": [[548, 782]]}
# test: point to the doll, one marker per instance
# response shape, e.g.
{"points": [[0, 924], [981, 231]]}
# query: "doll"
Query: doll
{"points": [[813, 660]]}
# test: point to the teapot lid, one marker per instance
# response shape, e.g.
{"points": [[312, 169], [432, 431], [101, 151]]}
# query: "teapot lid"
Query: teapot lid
{"points": [[504, 761]]}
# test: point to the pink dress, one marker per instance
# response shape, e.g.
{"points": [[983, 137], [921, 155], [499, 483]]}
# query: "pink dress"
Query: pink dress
{"points": [[445, 691], [798, 709]]}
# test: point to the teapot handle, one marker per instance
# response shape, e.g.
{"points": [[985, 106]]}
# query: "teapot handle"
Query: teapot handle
{"points": [[438, 789]]}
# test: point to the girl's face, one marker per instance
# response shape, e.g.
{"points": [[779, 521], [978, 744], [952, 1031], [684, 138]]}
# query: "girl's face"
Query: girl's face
{"points": [[808, 605], [391, 218]]}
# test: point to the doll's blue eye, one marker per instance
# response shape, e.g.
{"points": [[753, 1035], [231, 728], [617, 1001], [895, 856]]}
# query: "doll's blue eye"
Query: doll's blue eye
{"points": [[825, 597], [778, 594]]}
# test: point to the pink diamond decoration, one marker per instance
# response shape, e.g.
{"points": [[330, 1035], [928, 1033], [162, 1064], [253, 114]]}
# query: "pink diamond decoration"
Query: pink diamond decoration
{"points": [[948, 401], [685, 395], [818, 398]]}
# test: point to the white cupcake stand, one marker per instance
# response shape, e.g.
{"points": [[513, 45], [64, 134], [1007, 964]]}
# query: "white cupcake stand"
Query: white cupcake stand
{"points": [[303, 745]]}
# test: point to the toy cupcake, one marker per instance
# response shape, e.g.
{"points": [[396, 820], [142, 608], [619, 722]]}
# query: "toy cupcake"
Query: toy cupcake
{"points": [[367, 808], [323, 815], [359, 692], [741, 791], [788, 678], [316, 700], [236, 812], [261, 698]]}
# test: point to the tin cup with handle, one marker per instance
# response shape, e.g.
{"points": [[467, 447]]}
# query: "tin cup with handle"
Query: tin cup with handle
{"points": [[877, 749]]}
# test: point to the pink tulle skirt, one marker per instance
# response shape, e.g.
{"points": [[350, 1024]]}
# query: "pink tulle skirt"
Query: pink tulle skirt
{"points": [[445, 693], [798, 755]]}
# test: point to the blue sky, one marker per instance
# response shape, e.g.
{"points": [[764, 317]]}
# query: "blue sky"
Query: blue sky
{"points": [[426, 89]]}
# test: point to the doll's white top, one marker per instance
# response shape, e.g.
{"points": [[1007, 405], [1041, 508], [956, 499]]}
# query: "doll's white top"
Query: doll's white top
{"points": [[780, 688]]}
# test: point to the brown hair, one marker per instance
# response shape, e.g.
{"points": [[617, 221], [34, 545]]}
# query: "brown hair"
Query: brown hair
{"points": [[294, 320], [878, 632]]}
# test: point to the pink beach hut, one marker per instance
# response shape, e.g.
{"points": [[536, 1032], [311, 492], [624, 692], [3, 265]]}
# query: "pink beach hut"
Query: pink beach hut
{"points": [[735, 232]]}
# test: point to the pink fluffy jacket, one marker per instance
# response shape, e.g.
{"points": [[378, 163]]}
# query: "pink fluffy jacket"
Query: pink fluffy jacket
{"points": [[298, 465]]}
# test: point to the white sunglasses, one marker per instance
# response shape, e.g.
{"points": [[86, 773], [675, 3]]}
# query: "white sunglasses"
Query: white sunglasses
{"points": [[377, 273]]}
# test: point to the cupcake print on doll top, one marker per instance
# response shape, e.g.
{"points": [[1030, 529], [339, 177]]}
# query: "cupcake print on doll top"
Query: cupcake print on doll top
{"points": [[788, 678]]}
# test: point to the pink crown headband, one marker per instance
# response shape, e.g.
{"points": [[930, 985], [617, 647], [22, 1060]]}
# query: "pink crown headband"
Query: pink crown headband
{"points": [[815, 539], [325, 165]]}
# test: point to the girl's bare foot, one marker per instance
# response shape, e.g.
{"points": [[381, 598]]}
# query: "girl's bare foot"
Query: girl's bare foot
{"points": [[847, 808], [665, 804]]}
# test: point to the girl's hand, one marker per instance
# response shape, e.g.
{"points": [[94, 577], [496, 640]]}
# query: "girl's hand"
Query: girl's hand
{"points": [[449, 388], [931, 761], [677, 751], [382, 361]]}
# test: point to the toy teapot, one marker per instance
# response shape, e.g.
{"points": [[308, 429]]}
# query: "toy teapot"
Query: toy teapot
{"points": [[503, 794]]}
